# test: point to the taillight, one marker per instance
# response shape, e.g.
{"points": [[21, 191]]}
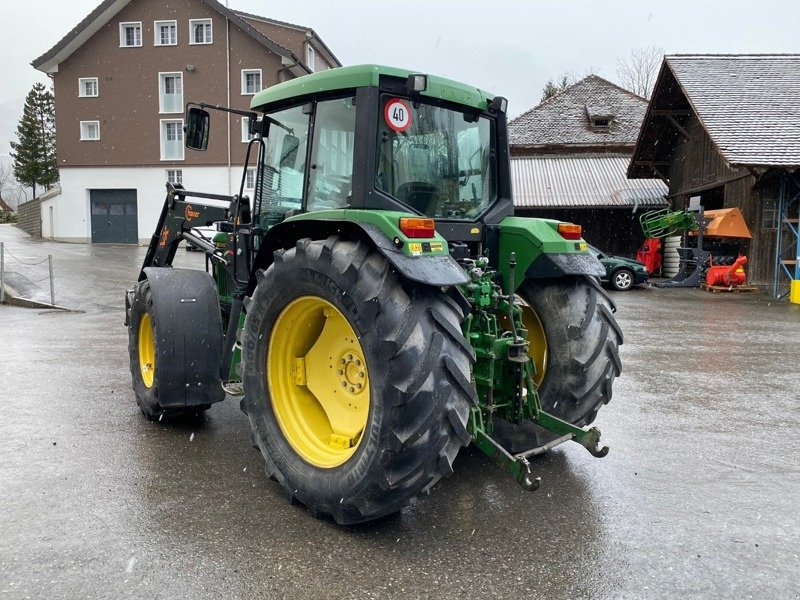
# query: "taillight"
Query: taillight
{"points": [[417, 228], [569, 231]]}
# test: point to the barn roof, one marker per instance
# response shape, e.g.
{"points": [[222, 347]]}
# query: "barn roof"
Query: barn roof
{"points": [[581, 180], [565, 118], [748, 104]]}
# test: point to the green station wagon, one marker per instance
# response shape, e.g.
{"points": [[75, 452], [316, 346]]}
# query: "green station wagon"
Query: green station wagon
{"points": [[621, 273]]}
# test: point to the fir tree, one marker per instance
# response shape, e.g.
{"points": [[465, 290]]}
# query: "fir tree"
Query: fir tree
{"points": [[552, 88], [35, 153]]}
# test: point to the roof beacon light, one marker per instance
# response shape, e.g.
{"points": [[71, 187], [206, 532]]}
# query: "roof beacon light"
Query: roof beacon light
{"points": [[569, 231], [498, 104], [414, 227], [417, 82]]}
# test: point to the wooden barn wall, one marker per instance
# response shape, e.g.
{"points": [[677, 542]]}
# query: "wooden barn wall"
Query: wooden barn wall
{"points": [[696, 164], [762, 246], [614, 230], [698, 169]]}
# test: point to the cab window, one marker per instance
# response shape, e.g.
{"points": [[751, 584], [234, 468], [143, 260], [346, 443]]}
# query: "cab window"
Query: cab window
{"points": [[440, 162], [331, 174], [282, 169]]}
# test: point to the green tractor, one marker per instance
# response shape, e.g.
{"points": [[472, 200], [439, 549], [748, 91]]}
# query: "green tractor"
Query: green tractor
{"points": [[376, 305]]}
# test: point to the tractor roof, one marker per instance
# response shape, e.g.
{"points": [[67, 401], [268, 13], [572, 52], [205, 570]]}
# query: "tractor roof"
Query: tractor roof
{"points": [[356, 76]]}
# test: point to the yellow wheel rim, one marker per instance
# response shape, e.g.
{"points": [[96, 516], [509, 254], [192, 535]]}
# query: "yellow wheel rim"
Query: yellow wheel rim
{"points": [[147, 350], [537, 342], [318, 381]]}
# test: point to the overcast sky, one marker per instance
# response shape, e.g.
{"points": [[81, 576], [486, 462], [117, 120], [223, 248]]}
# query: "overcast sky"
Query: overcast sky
{"points": [[510, 47]]}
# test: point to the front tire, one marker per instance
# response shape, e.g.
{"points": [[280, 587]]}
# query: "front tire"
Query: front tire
{"points": [[572, 320], [324, 316], [175, 343], [622, 280]]}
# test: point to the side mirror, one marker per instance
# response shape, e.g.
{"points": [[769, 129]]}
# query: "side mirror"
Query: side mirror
{"points": [[197, 128], [289, 147]]}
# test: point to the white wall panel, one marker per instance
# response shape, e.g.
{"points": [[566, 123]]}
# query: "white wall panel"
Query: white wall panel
{"points": [[71, 218]]}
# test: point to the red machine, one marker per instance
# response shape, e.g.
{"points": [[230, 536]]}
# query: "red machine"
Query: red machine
{"points": [[649, 253], [728, 276]]}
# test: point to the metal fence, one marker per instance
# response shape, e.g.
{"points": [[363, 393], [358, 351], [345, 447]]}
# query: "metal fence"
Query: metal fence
{"points": [[31, 271]]}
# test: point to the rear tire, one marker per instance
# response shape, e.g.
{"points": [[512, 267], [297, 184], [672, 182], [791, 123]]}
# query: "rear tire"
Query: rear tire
{"points": [[582, 339], [418, 366]]}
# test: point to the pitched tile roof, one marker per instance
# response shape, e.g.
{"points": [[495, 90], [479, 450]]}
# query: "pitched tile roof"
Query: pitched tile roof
{"points": [[106, 10], [748, 104], [563, 119], [309, 30], [581, 180]]}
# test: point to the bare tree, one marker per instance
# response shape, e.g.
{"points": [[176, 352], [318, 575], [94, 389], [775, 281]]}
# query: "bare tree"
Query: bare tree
{"points": [[638, 72], [11, 190]]}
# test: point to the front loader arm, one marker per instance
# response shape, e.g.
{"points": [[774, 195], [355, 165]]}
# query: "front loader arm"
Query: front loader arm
{"points": [[178, 217]]}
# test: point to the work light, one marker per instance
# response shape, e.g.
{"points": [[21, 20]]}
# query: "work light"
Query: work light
{"points": [[417, 82]]}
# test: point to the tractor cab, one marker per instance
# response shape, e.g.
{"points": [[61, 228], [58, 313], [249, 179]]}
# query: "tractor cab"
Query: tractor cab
{"points": [[378, 138]]}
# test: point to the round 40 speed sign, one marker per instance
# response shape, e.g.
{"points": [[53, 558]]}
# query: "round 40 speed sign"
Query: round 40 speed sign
{"points": [[397, 115]]}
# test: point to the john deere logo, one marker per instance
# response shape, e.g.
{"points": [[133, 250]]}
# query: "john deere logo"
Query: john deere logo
{"points": [[190, 214]]}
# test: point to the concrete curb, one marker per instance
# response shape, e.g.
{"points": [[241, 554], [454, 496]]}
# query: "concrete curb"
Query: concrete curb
{"points": [[12, 298]]}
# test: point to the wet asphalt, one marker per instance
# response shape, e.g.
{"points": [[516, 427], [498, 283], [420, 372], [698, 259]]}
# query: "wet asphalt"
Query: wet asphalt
{"points": [[699, 497]]}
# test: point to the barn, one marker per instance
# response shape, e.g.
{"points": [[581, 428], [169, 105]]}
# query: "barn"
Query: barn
{"points": [[724, 130], [569, 157]]}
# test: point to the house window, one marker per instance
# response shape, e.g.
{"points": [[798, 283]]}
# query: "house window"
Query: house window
{"points": [[90, 131], [175, 176], [600, 116], [311, 57], [200, 31], [769, 215], [87, 87], [250, 178], [170, 92], [246, 135], [166, 33], [130, 35], [171, 139], [251, 81]]}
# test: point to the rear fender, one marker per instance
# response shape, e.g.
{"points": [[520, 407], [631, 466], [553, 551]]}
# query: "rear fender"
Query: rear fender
{"points": [[430, 265], [541, 252]]}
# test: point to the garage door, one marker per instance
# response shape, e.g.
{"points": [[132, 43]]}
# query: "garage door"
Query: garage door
{"points": [[114, 219]]}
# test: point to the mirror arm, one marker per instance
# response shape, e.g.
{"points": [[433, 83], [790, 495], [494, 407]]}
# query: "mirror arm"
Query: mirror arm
{"points": [[288, 130], [246, 113]]}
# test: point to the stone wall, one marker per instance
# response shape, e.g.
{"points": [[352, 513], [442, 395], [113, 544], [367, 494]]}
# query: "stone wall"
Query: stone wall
{"points": [[29, 217]]}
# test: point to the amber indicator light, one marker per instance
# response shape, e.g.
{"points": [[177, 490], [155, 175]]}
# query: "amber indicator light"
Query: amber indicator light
{"points": [[417, 228], [569, 231]]}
